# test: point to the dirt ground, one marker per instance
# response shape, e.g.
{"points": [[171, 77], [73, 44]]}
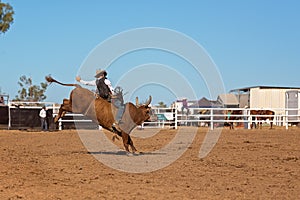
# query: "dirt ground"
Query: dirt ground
{"points": [[244, 164]]}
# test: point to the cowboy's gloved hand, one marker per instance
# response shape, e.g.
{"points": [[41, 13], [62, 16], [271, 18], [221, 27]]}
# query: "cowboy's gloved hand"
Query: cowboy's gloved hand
{"points": [[78, 78]]}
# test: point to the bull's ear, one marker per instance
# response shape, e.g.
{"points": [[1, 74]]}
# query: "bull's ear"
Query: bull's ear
{"points": [[149, 101], [136, 101]]}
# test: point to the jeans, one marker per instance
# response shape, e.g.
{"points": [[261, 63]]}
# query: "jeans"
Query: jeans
{"points": [[44, 125], [120, 107]]}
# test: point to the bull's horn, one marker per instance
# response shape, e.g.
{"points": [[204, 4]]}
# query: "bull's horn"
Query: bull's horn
{"points": [[136, 101], [149, 101]]}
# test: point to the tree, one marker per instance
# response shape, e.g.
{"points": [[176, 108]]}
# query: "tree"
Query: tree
{"points": [[6, 17], [30, 92], [161, 105]]}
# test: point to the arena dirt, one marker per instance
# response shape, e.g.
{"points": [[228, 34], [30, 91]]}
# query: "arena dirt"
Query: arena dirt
{"points": [[244, 164]]}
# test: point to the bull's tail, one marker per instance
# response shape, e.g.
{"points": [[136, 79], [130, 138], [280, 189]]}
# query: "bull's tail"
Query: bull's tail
{"points": [[51, 80]]}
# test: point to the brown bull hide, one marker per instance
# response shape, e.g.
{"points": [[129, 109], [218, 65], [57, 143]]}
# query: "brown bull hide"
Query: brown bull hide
{"points": [[102, 112], [134, 116]]}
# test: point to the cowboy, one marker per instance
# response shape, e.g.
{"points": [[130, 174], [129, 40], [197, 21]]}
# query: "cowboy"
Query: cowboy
{"points": [[103, 86], [105, 91]]}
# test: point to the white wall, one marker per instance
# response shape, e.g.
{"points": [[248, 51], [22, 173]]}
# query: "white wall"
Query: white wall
{"points": [[267, 98]]}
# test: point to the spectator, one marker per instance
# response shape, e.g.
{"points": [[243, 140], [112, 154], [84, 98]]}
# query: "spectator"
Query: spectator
{"points": [[43, 116]]}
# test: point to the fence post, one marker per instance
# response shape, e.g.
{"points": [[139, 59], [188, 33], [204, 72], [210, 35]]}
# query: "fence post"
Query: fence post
{"points": [[59, 124], [249, 119], [286, 120], [9, 117], [175, 116], [212, 119]]}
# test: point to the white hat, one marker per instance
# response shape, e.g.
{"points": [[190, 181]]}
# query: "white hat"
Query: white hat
{"points": [[100, 72]]}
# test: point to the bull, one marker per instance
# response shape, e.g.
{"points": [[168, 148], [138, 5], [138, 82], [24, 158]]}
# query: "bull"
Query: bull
{"points": [[103, 112]]}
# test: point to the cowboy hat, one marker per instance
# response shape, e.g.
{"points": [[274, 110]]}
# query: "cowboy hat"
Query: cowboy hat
{"points": [[100, 72]]}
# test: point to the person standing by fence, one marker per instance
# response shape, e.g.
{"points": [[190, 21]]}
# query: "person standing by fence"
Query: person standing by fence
{"points": [[43, 116]]}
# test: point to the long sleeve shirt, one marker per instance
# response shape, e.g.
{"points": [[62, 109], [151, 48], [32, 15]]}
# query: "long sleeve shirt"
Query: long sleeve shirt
{"points": [[43, 113], [93, 83]]}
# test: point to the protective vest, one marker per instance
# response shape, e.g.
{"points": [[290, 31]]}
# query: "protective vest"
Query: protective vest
{"points": [[103, 89]]}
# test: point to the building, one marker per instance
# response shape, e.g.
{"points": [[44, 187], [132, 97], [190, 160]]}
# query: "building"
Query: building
{"points": [[266, 97], [202, 103], [205, 103], [228, 100]]}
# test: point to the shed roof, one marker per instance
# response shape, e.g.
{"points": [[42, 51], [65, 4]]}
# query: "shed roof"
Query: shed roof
{"points": [[205, 103], [228, 99], [246, 89]]}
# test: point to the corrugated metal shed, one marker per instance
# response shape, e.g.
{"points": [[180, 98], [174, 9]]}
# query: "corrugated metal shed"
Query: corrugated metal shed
{"points": [[265, 97]]}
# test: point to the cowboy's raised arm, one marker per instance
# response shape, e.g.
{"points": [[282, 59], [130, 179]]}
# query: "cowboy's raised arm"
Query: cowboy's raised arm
{"points": [[91, 83]]}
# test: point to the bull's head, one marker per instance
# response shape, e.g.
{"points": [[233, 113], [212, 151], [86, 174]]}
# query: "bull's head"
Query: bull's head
{"points": [[144, 109], [135, 115]]}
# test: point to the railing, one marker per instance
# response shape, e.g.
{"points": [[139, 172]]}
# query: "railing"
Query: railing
{"points": [[61, 120], [26, 105], [218, 115], [167, 117]]}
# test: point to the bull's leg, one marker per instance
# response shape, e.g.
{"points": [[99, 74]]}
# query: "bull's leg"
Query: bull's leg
{"points": [[127, 141], [125, 138], [130, 142], [60, 113], [63, 114], [63, 109]]}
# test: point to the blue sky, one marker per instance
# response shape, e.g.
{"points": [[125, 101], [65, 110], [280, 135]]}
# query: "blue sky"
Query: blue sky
{"points": [[251, 42]]}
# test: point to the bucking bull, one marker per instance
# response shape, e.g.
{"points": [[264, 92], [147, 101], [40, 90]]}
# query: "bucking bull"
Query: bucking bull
{"points": [[102, 112]]}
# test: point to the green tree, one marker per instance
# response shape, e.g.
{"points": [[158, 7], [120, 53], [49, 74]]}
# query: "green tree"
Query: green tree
{"points": [[30, 92], [161, 105], [6, 17]]}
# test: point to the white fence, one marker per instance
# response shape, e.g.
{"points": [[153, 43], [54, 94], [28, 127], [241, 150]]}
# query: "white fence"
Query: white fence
{"points": [[26, 105], [172, 118], [214, 117]]}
